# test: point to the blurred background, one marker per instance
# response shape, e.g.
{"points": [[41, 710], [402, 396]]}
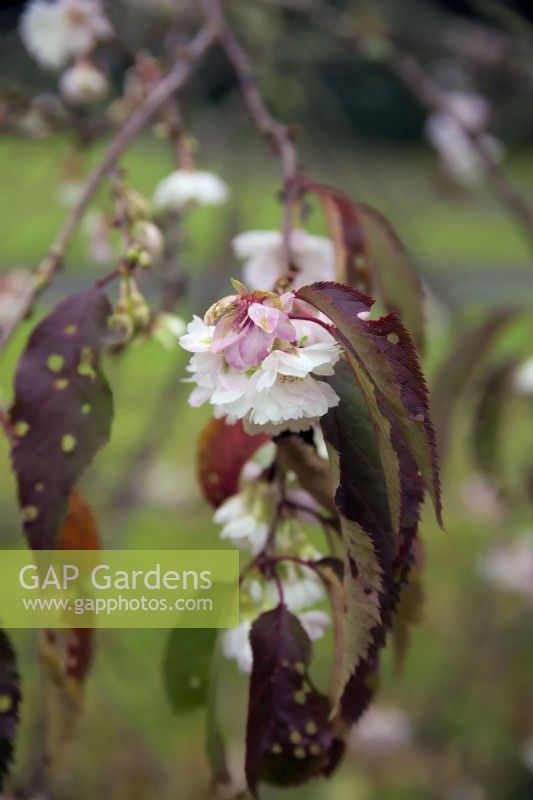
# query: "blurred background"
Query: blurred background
{"points": [[456, 723]]}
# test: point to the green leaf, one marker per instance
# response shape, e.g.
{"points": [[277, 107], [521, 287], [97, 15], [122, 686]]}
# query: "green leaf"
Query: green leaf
{"points": [[462, 364], [187, 666]]}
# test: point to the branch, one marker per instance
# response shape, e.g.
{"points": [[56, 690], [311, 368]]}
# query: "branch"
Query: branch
{"points": [[429, 94], [172, 82], [279, 135]]}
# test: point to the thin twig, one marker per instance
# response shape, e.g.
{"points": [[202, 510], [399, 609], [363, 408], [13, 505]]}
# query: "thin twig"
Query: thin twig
{"points": [[171, 83], [278, 134]]}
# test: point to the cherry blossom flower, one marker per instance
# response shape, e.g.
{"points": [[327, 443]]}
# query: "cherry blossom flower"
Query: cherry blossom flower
{"points": [[83, 83], [256, 364], [446, 132], [55, 32], [183, 188], [313, 256]]}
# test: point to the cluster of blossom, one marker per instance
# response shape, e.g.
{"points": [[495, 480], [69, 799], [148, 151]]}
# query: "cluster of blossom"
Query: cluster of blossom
{"points": [[254, 360], [447, 130], [246, 519], [64, 33]]}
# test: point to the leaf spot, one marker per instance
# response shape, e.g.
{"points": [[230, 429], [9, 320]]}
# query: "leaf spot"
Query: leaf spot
{"points": [[195, 682], [85, 367], [315, 749], [71, 330], [39, 487], [61, 383], [21, 428], [276, 749], [300, 697], [6, 703], [295, 737], [68, 443], [30, 513], [86, 408], [299, 666], [299, 752], [393, 338], [310, 728], [55, 362]]}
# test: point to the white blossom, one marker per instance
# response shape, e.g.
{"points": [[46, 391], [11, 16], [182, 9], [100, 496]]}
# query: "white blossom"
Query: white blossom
{"points": [[523, 379], [274, 389], [183, 188], [244, 521], [445, 130], [55, 32], [313, 256], [83, 83]]}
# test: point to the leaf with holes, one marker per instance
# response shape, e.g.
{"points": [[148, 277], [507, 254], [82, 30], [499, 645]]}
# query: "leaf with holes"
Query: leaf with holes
{"points": [[377, 557], [10, 697], [187, 665], [289, 738], [62, 411], [385, 364], [223, 450], [371, 256]]}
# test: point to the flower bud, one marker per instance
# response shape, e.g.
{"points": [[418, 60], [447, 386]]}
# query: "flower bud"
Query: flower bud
{"points": [[149, 237], [83, 83]]}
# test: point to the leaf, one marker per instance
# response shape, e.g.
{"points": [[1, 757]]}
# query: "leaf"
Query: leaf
{"points": [[289, 738], [385, 364], [331, 571], [223, 450], [66, 655], [377, 557], [457, 370], [488, 419], [79, 530], [186, 667], [62, 411], [10, 696], [371, 256], [312, 471]]}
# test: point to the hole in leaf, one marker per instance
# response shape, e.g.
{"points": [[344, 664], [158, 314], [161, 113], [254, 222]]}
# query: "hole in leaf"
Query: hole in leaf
{"points": [[55, 362]]}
